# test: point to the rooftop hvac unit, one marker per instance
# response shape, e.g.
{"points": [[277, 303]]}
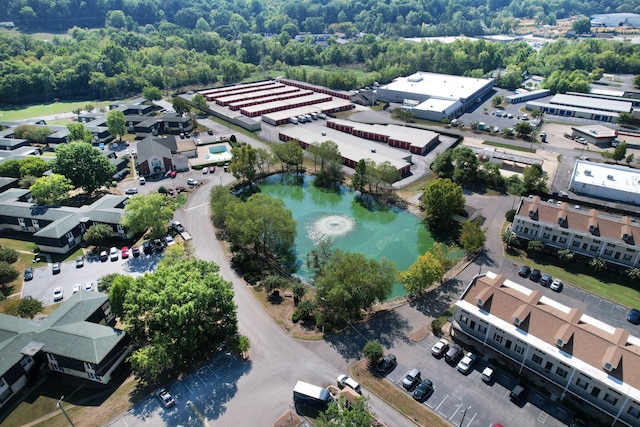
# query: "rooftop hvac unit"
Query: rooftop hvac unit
{"points": [[587, 172], [610, 177], [480, 302], [517, 321], [560, 342]]}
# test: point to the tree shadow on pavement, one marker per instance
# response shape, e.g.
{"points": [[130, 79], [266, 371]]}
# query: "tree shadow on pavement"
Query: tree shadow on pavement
{"points": [[387, 329], [438, 300]]}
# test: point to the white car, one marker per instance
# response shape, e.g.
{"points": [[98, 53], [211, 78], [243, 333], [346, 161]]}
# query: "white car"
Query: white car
{"points": [[169, 240], [88, 286], [465, 364], [58, 294], [440, 348], [487, 373], [165, 397], [77, 288], [346, 381], [113, 254], [191, 181], [556, 285]]}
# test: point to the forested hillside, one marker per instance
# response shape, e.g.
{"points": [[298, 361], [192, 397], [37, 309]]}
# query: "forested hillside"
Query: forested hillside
{"points": [[231, 18], [228, 42]]}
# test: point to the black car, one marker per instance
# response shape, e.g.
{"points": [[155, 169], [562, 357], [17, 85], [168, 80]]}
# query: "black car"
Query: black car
{"points": [[578, 422], [177, 226], [453, 354], [158, 245], [28, 273], [424, 389], [535, 275], [135, 251], [147, 248], [518, 393], [524, 271], [386, 364], [633, 316], [546, 280]]}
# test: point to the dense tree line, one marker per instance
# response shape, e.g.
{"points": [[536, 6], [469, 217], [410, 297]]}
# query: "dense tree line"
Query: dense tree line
{"points": [[231, 18]]}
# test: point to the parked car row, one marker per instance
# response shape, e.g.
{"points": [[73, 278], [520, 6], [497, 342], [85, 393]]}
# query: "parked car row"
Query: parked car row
{"points": [[544, 279]]}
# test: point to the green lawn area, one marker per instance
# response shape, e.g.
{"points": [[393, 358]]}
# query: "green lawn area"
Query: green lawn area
{"points": [[611, 286], [509, 146], [52, 108]]}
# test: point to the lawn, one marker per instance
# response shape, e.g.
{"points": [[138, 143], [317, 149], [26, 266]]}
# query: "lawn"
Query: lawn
{"points": [[401, 401], [606, 284], [509, 146], [50, 109]]}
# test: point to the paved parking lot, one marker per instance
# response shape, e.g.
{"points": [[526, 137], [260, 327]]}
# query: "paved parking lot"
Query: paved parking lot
{"points": [[199, 396], [44, 281], [484, 403]]}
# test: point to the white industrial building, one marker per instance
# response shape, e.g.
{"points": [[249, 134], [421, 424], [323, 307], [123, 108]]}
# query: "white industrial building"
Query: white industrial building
{"points": [[611, 182], [585, 107], [438, 96]]}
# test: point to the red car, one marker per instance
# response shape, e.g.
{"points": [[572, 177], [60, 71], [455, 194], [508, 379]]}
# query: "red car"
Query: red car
{"points": [[135, 251], [124, 252], [212, 169]]}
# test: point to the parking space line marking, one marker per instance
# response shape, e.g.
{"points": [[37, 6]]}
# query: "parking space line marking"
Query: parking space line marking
{"points": [[455, 412], [472, 418], [542, 417], [201, 379], [445, 398], [187, 387], [195, 207]]}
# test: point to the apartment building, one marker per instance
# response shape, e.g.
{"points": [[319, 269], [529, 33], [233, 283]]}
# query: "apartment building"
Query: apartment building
{"points": [[588, 232], [584, 357]]}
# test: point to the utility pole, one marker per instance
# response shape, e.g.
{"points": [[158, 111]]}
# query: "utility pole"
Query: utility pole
{"points": [[59, 405], [464, 413]]}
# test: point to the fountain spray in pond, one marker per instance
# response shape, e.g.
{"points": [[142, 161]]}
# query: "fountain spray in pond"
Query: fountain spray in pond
{"points": [[330, 227]]}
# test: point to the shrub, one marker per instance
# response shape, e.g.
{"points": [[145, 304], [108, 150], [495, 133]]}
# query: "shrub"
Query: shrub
{"points": [[9, 255], [162, 190], [511, 213], [295, 316], [373, 351], [436, 327]]}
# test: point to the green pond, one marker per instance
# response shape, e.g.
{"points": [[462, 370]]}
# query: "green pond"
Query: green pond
{"points": [[376, 231]]}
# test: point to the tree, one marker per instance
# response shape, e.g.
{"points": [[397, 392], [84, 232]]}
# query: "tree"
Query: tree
{"points": [[497, 100], [373, 351], [510, 238], [629, 159], [422, 274], [534, 179], [25, 308], [466, 165], [620, 152], [116, 123], [264, 159], [97, 234], [9, 255], [625, 118], [180, 105], [352, 283], [306, 308], [77, 132], [633, 273], [581, 26], [290, 154], [33, 166], [152, 92], [472, 237], [263, 226], [84, 165], [443, 164], [8, 273], [177, 315], [298, 290], [32, 133], [10, 168], [240, 345], [359, 178], [357, 415], [147, 211], [274, 282], [636, 82], [328, 157], [244, 163], [598, 264], [441, 200], [200, 102], [51, 190], [523, 128], [222, 202], [535, 246], [566, 256], [118, 293]]}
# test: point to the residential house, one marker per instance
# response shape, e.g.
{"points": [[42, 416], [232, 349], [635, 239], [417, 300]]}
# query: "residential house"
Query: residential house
{"points": [[158, 155]]}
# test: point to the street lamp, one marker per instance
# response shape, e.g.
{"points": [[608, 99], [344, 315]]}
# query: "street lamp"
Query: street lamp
{"points": [[58, 405], [464, 413]]}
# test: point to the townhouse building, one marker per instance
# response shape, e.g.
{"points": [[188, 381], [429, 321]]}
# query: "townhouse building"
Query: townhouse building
{"points": [[588, 232], [584, 358]]}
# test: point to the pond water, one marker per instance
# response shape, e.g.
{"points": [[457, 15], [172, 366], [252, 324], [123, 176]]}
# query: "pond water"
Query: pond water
{"points": [[375, 231]]}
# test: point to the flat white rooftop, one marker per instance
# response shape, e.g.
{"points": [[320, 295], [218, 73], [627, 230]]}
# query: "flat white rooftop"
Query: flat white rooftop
{"points": [[438, 105], [443, 86], [608, 176], [591, 103], [596, 131], [417, 137], [336, 104]]}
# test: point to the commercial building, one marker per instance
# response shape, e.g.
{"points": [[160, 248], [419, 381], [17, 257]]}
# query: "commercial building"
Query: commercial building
{"points": [[438, 96], [595, 134], [583, 357], [585, 107], [77, 339], [587, 232], [616, 20], [611, 182], [525, 96]]}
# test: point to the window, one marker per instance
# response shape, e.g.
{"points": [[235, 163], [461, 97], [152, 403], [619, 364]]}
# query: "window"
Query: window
{"points": [[518, 229], [519, 349], [633, 411], [593, 248], [547, 228], [70, 238], [36, 224], [464, 319], [482, 329], [497, 338], [608, 252], [23, 225], [561, 372], [545, 235], [611, 399], [536, 359], [548, 366], [597, 242], [563, 240], [508, 344], [582, 383], [626, 257], [578, 237], [611, 245], [584, 246], [575, 244], [526, 230], [564, 233], [536, 225], [631, 251], [595, 392]]}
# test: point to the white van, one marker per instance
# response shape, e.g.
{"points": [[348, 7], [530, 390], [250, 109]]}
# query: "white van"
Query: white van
{"points": [[346, 381], [143, 181]]}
